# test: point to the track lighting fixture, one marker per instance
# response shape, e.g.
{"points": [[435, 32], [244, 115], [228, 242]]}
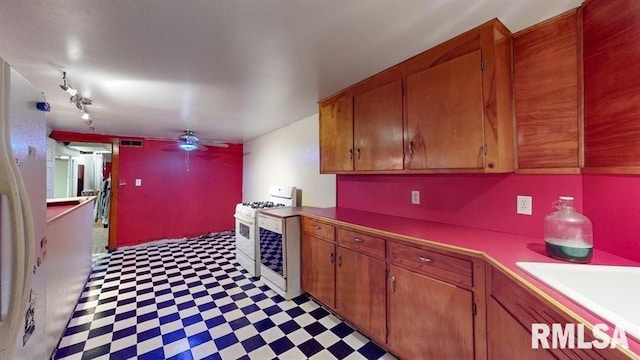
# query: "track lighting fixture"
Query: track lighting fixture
{"points": [[79, 101], [66, 87]]}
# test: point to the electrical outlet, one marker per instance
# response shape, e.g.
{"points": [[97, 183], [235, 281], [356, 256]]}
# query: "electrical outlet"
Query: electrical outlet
{"points": [[524, 205], [415, 197]]}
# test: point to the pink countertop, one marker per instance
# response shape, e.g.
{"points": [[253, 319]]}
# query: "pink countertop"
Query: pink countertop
{"points": [[499, 248], [56, 208]]}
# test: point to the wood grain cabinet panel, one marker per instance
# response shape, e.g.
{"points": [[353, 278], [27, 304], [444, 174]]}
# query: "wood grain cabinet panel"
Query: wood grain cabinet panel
{"points": [[318, 269], [318, 229], [612, 85], [377, 121], [429, 262], [336, 135], [428, 319], [362, 243], [507, 338], [444, 112], [527, 307], [547, 93], [360, 291]]}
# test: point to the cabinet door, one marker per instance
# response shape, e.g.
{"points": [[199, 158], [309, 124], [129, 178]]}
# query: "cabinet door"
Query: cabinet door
{"points": [[377, 120], [507, 339], [360, 291], [428, 319], [336, 135], [318, 271], [547, 94], [611, 86], [445, 115]]}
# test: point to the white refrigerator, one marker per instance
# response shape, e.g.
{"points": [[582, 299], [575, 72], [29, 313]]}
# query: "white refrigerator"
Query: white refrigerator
{"points": [[23, 212]]}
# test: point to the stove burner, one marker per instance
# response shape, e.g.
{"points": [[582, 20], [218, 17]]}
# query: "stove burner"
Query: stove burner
{"points": [[263, 204]]}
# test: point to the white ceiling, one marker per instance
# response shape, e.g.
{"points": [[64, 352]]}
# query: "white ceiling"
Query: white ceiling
{"points": [[229, 69]]}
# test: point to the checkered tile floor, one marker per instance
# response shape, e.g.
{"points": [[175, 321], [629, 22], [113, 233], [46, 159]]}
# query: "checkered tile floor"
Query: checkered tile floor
{"points": [[191, 300]]}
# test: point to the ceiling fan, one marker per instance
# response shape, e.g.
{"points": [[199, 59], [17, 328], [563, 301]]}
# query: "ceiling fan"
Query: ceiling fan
{"points": [[188, 141]]}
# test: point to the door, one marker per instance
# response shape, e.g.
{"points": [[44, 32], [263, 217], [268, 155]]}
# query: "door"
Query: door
{"points": [[377, 121], [360, 291], [445, 115], [428, 319], [507, 339], [318, 271], [336, 135]]}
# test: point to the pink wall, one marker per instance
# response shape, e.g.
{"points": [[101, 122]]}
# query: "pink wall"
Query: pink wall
{"points": [[489, 202], [474, 200], [613, 204], [173, 202]]}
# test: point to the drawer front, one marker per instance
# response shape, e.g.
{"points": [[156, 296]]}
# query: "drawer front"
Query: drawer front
{"points": [[318, 229], [366, 244], [431, 263]]}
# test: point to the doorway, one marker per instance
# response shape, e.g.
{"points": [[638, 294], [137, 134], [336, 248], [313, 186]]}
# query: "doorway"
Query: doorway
{"points": [[84, 169]]}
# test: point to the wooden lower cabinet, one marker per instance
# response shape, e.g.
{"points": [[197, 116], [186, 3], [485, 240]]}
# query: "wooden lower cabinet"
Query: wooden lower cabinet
{"points": [[428, 318], [521, 306], [507, 338], [360, 291], [318, 271]]}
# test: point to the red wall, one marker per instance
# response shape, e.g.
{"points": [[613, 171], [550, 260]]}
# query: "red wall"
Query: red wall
{"points": [[613, 204], [489, 202], [474, 200], [176, 199]]}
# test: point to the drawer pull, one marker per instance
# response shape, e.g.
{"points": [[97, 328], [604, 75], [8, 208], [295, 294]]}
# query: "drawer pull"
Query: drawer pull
{"points": [[331, 257], [339, 260], [358, 240], [393, 283], [425, 260], [317, 227]]}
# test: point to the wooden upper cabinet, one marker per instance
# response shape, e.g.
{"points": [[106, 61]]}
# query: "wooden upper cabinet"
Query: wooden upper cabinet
{"points": [[377, 122], [547, 92], [454, 115], [612, 85], [444, 115], [336, 135]]}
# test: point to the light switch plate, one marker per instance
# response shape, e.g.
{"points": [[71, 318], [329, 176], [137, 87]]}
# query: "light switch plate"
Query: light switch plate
{"points": [[138, 182], [415, 197]]}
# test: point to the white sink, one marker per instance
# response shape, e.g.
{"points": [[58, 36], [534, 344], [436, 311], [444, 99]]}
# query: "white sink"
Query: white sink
{"points": [[611, 292]]}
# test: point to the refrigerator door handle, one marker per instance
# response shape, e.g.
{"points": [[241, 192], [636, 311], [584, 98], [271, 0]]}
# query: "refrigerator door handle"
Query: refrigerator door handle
{"points": [[22, 231]]}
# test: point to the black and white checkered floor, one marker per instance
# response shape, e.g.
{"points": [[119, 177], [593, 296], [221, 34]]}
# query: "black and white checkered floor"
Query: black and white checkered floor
{"points": [[191, 300]]}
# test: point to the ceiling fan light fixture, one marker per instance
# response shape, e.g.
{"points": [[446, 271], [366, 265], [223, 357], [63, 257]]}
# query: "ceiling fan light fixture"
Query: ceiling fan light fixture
{"points": [[86, 116], [187, 146]]}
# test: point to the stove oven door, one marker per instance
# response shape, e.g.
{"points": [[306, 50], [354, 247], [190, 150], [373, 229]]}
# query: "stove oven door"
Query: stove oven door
{"points": [[246, 245], [272, 245]]}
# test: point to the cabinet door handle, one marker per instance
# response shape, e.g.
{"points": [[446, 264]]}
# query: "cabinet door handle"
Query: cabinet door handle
{"points": [[358, 152], [331, 257], [358, 240], [425, 260], [317, 227], [393, 283], [350, 154], [410, 147], [339, 260]]}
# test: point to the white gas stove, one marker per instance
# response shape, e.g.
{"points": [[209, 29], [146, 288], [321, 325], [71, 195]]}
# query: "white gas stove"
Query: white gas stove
{"points": [[247, 243]]}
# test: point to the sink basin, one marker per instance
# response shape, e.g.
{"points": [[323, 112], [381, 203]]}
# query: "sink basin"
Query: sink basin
{"points": [[611, 292]]}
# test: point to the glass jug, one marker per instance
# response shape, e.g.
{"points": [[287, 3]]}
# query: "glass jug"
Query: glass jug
{"points": [[568, 235]]}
